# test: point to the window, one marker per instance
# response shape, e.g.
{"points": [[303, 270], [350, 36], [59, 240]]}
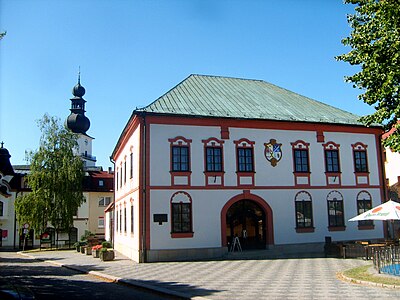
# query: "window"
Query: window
{"points": [[116, 220], [125, 172], [364, 203], [301, 160], [131, 165], [304, 215], [132, 218], [120, 220], [360, 161], [120, 182], [100, 222], [301, 163], [180, 158], [116, 180], [1, 209], [124, 218], [245, 159], [101, 182], [332, 161], [104, 201], [335, 209], [181, 211], [180, 161], [214, 159]]}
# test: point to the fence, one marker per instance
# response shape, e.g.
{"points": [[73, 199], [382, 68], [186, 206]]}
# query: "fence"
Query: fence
{"points": [[387, 260]]}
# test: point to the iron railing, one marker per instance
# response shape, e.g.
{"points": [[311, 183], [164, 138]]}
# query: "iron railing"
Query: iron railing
{"points": [[387, 259]]}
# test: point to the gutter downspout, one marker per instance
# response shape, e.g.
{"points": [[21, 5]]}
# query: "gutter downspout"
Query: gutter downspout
{"points": [[144, 191], [113, 211], [385, 190]]}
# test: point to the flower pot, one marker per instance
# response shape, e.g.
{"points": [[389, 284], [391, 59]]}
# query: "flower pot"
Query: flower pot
{"points": [[83, 249], [96, 253], [88, 250], [107, 255]]}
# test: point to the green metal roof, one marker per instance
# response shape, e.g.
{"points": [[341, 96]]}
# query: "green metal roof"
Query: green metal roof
{"points": [[213, 96]]}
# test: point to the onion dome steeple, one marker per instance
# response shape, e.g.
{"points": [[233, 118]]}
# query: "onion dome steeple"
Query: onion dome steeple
{"points": [[6, 172], [77, 121], [5, 165]]}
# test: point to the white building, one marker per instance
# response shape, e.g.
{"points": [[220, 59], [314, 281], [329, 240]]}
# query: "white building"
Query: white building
{"points": [[217, 158]]}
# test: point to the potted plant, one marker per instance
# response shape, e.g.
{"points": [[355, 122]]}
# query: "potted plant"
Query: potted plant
{"points": [[96, 251], [107, 254], [77, 246], [88, 250]]}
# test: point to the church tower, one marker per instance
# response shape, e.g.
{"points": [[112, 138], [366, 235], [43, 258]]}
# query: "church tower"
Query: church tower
{"points": [[78, 123]]}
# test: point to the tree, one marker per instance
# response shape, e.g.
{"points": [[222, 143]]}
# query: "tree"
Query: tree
{"points": [[375, 42], [3, 34], [56, 178]]}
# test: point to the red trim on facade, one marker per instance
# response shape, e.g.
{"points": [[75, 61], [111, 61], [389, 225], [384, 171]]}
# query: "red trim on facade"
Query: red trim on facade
{"points": [[320, 136], [336, 228], [182, 235], [366, 227], [225, 132], [260, 124], [246, 195], [305, 229], [147, 194], [258, 187], [130, 127]]}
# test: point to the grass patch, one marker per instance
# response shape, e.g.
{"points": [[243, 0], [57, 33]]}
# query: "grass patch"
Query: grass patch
{"points": [[362, 273]]}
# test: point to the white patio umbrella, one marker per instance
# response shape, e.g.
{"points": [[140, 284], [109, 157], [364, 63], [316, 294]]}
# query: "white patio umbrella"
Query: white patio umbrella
{"points": [[388, 211]]}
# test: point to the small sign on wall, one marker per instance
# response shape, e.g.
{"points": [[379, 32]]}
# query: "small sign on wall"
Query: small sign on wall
{"points": [[160, 218]]}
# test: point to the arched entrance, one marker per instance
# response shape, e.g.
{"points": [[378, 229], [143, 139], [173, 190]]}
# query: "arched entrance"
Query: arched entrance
{"points": [[248, 217]]}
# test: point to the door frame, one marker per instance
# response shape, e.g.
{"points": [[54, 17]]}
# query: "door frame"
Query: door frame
{"points": [[246, 195]]}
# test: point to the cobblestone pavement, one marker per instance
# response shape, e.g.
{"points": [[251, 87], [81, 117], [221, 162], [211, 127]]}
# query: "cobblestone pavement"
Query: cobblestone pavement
{"points": [[301, 278]]}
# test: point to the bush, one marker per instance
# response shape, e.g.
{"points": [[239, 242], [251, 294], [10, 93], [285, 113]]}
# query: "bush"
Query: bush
{"points": [[106, 244], [87, 235]]}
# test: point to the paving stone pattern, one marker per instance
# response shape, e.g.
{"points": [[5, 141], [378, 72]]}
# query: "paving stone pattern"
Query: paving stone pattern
{"points": [[302, 278]]}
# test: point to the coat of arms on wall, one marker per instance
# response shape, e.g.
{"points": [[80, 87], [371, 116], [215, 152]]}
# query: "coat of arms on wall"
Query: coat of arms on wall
{"points": [[273, 152]]}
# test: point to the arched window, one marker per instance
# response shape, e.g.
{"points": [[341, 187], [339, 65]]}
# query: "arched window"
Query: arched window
{"points": [[304, 215], [364, 203], [335, 211], [181, 212]]}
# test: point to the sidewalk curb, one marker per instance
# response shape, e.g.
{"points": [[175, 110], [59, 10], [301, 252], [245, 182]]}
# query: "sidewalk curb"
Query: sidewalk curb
{"points": [[343, 277], [117, 280]]}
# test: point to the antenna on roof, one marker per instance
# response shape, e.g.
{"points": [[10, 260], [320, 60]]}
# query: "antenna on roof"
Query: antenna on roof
{"points": [[79, 75]]}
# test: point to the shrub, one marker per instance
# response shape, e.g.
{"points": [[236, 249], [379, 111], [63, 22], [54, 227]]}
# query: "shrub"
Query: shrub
{"points": [[106, 244]]}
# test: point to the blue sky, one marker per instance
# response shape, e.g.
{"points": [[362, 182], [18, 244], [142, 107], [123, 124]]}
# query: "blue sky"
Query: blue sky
{"points": [[131, 52]]}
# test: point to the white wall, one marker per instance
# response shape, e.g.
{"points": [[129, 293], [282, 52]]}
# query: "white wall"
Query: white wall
{"points": [[128, 242], [274, 184], [392, 166]]}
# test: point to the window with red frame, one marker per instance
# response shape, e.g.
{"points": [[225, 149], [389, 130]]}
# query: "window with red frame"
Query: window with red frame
{"points": [[245, 159], [214, 159], [360, 161], [180, 158]]}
